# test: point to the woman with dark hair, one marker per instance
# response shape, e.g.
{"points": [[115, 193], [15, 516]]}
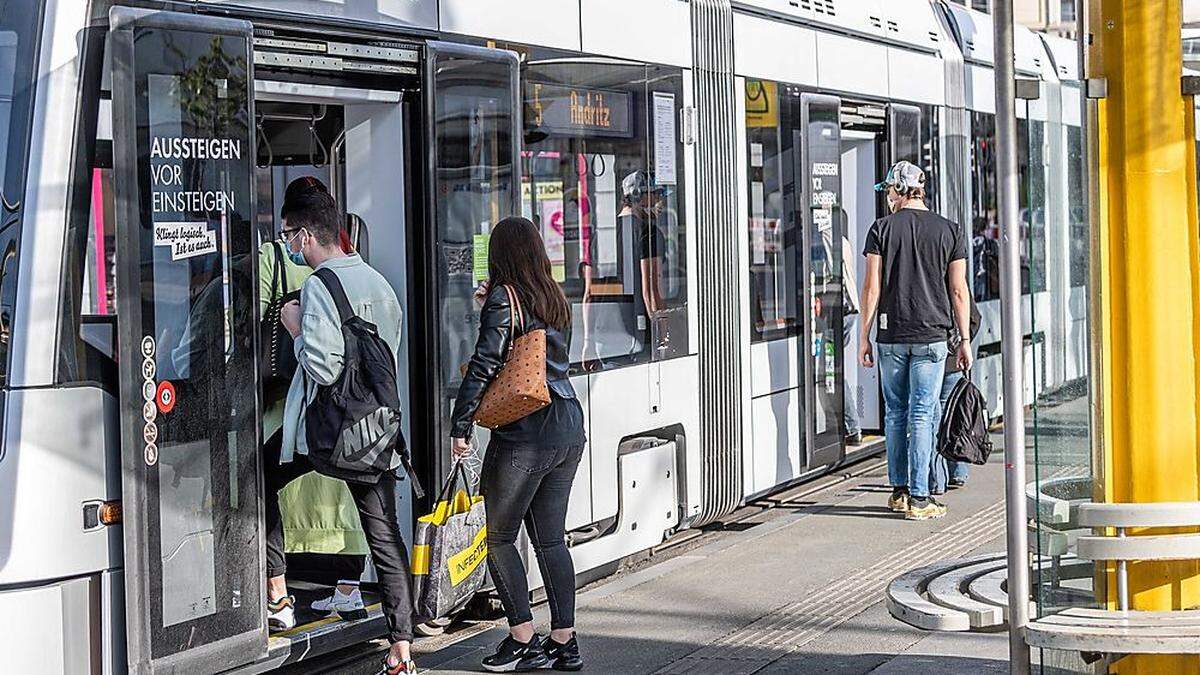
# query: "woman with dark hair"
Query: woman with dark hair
{"points": [[530, 464]]}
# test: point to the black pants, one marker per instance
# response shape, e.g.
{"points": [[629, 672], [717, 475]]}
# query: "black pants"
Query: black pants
{"points": [[377, 513], [524, 483]]}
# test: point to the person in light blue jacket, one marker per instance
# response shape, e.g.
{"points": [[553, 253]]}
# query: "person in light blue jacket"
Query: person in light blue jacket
{"points": [[312, 237]]}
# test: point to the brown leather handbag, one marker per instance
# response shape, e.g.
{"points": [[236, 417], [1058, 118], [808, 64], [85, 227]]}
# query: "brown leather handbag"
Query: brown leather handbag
{"points": [[520, 387]]}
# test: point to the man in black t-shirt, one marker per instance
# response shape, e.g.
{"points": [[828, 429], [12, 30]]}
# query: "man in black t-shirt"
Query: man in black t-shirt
{"points": [[917, 284]]}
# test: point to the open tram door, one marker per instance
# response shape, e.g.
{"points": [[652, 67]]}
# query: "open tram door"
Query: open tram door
{"points": [[818, 195], [474, 178], [183, 139]]}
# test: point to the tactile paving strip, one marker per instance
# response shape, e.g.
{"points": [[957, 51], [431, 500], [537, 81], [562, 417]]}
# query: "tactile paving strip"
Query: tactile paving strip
{"points": [[790, 627]]}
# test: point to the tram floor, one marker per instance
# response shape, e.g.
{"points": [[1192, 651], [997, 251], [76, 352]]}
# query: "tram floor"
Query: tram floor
{"points": [[793, 588]]}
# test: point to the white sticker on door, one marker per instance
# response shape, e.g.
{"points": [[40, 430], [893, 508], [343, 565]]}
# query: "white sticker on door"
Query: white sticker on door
{"points": [[190, 248]]}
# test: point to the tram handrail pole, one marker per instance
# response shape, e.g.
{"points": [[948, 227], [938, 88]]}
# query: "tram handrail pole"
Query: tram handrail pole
{"points": [[1011, 337]]}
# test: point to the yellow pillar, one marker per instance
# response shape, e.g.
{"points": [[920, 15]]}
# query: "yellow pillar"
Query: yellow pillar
{"points": [[1149, 286]]}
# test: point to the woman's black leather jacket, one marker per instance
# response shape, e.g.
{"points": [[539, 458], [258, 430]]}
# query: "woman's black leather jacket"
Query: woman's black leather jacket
{"points": [[495, 332]]}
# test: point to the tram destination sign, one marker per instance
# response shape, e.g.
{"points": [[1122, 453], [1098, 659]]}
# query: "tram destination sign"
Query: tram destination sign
{"points": [[579, 110]]}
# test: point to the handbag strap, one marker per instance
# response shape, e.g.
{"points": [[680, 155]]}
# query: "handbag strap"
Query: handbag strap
{"points": [[516, 311], [280, 270], [274, 275]]}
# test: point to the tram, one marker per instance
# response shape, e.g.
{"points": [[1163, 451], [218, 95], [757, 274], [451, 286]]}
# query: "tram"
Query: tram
{"points": [[147, 145]]}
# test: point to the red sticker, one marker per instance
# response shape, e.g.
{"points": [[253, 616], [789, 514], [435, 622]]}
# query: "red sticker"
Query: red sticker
{"points": [[165, 397]]}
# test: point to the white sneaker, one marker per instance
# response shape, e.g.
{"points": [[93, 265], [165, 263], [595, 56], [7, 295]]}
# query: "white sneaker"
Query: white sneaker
{"points": [[281, 614], [350, 607]]}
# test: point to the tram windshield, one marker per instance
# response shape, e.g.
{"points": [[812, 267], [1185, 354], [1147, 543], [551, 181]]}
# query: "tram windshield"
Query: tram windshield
{"points": [[18, 22]]}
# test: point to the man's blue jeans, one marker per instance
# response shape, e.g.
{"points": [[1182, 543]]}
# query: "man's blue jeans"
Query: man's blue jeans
{"points": [[943, 469], [912, 384]]}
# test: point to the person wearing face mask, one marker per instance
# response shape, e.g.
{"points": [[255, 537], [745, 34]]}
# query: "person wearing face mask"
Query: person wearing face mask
{"points": [[916, 286], [312, 236], [324, 536]]}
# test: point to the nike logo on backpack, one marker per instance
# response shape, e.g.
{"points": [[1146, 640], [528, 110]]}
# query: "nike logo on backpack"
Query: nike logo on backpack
{"points": [[362, 442]]}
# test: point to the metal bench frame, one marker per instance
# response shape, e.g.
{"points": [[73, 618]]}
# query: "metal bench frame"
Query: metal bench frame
{"points": [[1125, 631]]}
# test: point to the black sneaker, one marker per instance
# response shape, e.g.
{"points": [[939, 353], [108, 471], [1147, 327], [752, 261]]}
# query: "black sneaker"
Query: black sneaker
{"points": [[563, 656], [517, 657], [957, 482], [854, 438]]}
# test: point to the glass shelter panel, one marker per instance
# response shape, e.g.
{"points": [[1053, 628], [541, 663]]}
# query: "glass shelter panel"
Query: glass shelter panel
{"points": [[185, 262], [1060, 472]]}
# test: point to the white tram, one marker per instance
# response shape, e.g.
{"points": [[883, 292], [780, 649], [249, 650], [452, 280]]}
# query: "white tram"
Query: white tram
{"points": [[128, 270]]}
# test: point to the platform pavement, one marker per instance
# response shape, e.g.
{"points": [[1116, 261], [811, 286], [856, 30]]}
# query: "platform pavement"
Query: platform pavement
{"points": [[660, 618], [796, 588]]}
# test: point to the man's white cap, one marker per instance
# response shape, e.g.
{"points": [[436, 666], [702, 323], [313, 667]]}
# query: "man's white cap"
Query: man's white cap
{"points": [[903, 176]]}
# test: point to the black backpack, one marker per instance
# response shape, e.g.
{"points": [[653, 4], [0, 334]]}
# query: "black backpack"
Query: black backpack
{"points": [[353, 425], [963, 434]]}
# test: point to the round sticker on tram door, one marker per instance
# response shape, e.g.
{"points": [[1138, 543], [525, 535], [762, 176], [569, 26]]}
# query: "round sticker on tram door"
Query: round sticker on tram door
{"points": [[147, 346], [148, 369], [148, 390], [165, 397], [151, 454], [149, 412], [150, 432]]}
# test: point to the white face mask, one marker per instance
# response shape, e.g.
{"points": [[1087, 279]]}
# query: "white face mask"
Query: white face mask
{"points": [[893, 202]]}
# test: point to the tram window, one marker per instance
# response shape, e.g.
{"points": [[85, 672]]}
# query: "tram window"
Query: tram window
{"points": [[985, 231], [1077, 205], [985, 226], [1032, 165], [772, 236], [929, 153], [622, 263], [19, 20]]}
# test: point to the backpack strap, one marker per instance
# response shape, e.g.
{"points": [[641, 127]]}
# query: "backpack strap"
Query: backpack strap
{"points": [[334, 286]]}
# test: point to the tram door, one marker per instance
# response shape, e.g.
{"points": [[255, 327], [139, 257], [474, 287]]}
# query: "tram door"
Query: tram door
{"points": [[183, 139], [818, 196], [474, 143]]}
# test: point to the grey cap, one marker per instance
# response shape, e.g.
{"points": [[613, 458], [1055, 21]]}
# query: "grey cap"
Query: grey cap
{"points": [[903, 176], [639, 183]]}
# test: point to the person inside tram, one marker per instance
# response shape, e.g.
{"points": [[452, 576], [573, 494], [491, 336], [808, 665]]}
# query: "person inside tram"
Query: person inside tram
{"points": [[530, 464], [313, 239], [637, 223], [986, 253], [913, 257], [324, 534]]}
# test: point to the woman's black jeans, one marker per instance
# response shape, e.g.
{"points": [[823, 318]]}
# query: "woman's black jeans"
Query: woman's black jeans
{"points": [[525, 483]]}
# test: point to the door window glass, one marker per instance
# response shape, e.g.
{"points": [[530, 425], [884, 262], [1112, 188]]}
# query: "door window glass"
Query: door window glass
{"points": [[772, 233], [825, 299]]}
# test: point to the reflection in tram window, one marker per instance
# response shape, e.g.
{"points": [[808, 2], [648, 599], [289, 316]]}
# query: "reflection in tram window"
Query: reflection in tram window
{"points": [[985, 242], [1077, 208], [609, 210], [772, 234], [1033, 211]]}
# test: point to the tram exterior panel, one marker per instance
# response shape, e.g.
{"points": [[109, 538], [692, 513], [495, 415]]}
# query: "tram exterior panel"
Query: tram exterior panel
{"points": [[62, 445]]}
